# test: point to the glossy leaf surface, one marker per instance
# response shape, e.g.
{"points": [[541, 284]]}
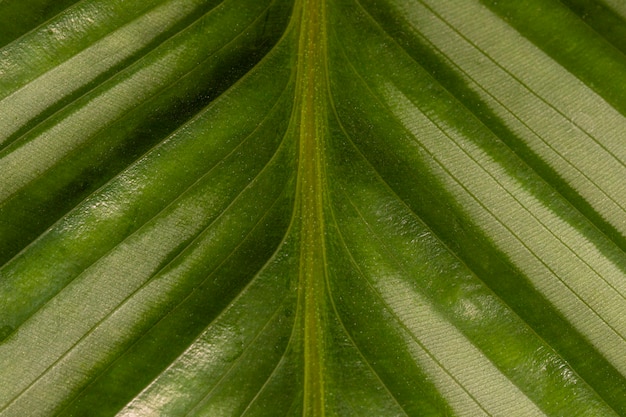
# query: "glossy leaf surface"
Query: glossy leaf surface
{"points": [[317, 207]]}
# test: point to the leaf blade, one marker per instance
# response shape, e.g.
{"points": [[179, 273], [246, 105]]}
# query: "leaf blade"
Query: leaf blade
{"points": [[377, 217]]}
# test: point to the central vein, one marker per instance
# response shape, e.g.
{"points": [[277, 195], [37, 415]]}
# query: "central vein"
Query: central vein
{"points": [[311, 91]]}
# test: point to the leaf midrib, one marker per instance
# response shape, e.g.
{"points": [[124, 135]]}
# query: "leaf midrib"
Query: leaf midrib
{"points": [[311, 89]]}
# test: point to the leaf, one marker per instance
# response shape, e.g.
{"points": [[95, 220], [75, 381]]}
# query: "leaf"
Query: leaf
{"points": [[342, 207]]}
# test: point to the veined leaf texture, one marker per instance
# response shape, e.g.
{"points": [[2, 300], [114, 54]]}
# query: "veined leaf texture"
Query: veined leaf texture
{"points": [[312, 208]]}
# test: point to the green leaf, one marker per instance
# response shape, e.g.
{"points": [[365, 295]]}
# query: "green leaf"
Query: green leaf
{"points": [[312, 207]]}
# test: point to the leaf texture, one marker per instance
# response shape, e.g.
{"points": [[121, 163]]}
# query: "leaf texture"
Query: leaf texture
{"points": [[317, 207]]}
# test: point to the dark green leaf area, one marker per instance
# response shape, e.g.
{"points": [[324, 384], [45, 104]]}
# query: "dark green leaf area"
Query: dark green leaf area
{"points": [[194, 305], [451, 77], [395, 154], [588, 52], [61, 37], [19, 16], [138, 202], [120, 142], [206, 277], [184, 28], [207, 232], [312, 208], [602, 19], [260, 318]]}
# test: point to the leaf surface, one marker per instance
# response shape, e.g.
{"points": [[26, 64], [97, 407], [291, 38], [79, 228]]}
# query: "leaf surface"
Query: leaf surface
{"points": [[339, 207]]}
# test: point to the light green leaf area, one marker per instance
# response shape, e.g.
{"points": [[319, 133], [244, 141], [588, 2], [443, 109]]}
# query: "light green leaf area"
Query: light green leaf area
{"points": [[312, 208]]}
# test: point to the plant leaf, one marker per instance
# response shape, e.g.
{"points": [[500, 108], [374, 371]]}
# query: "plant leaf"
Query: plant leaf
{"points": [[341, 207]]}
